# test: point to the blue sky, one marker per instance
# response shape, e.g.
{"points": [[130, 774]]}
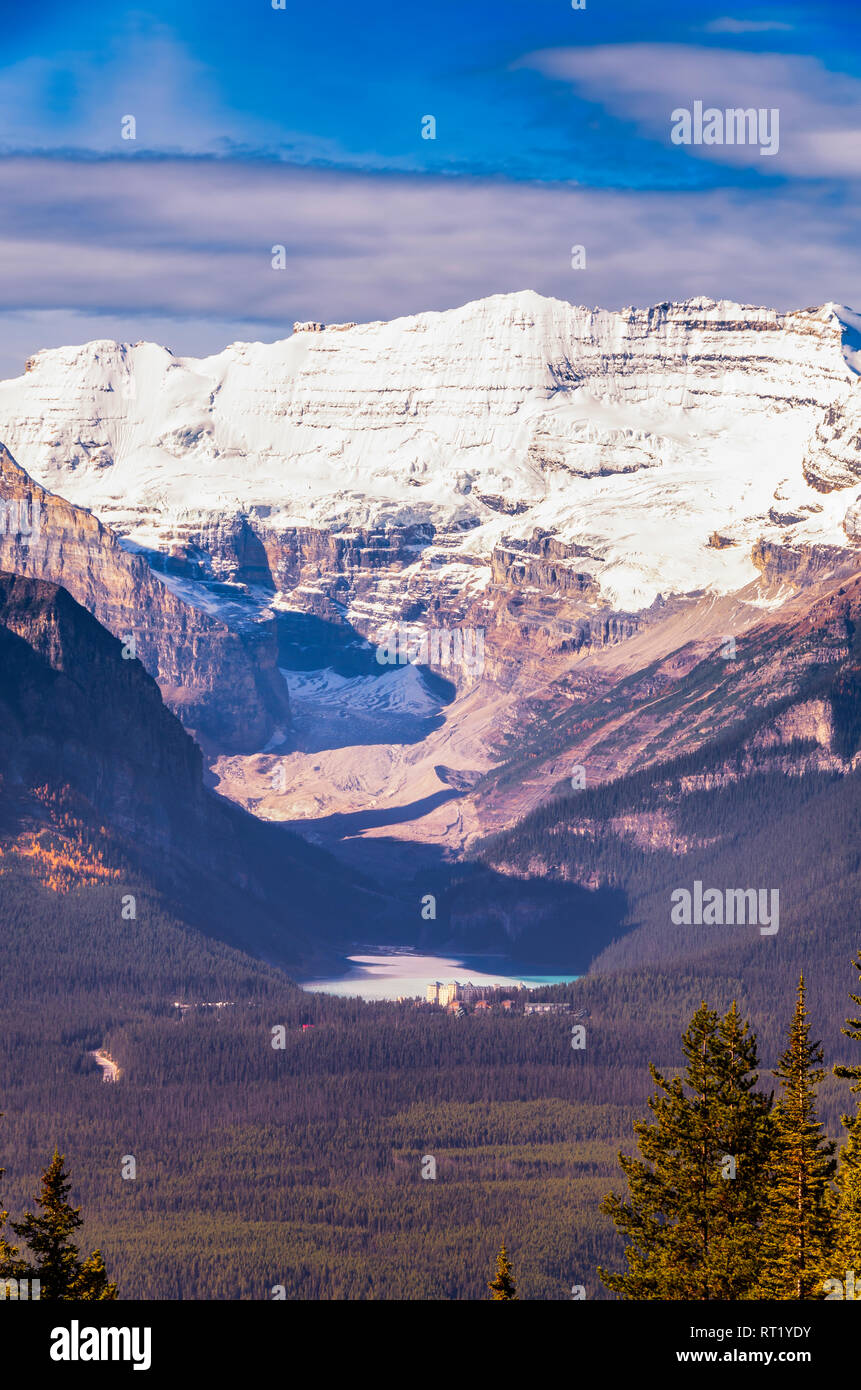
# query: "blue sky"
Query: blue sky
{"points": [[302, 127]]}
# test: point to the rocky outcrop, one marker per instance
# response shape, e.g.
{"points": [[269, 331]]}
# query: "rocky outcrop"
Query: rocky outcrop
{"points": [[801, 564], [543, 563], [541, 471], [322, 327], [833, 458], [97, 724], [852, 524], [223, 682]]}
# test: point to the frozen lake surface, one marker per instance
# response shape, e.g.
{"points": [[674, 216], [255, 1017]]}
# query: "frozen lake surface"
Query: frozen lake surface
{"points": [[405, 973]]}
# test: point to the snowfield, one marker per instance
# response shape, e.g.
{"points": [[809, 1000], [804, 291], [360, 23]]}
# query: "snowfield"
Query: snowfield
{"points": [[662, 443]]}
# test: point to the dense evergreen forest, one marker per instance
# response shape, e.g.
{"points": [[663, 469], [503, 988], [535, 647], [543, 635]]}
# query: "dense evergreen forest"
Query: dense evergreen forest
{"points": [[302, 1166]]}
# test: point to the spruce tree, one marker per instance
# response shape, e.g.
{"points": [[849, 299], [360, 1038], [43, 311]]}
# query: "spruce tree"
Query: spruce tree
{"points": [[91, 1282], [62, 1274], [847, 1244], [696, 1193], [798, 1226], [848, 1215], [503, 1286], [11, 1264]]}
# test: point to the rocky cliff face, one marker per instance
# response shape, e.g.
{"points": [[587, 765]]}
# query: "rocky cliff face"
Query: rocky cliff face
{"points": [[222, 681], [100, 783], [784, 697], [80, 715], [437, 467], [563, 481], [833, 460]]}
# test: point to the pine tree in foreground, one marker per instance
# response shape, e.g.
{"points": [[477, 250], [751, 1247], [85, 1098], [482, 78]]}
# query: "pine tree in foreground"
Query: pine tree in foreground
{"points": [[798, 1226], [61, 1272], [696, 1194], [503, 1286], [848, 1215]]}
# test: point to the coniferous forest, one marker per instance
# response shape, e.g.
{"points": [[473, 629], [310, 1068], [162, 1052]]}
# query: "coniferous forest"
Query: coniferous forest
{"points": [[298, 1168]]}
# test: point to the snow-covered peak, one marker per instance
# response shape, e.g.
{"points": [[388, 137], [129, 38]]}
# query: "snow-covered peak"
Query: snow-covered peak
{"points": [[633, 435]]}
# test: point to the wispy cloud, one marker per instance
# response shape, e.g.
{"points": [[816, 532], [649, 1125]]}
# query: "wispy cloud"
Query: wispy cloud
{"points": [[77, 101], [132, 241], [746, 26], [820, 110]]}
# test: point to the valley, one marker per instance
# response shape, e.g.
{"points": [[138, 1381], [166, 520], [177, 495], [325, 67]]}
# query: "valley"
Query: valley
{"points": [[487, 495], [220, 781]]}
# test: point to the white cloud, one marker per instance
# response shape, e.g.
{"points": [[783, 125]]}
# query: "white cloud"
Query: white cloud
{"points": [[820, 111], [116, 247]]}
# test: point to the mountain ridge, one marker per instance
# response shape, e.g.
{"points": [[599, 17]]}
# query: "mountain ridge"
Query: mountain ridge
{"points": [[574, 484], [479, 423]]}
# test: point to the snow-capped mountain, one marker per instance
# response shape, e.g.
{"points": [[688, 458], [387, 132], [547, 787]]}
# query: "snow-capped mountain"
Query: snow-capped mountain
{"points": [[369, 470]]}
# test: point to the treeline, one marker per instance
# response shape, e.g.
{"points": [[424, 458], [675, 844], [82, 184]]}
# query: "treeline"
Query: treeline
{"points": [[302, 1166]]}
